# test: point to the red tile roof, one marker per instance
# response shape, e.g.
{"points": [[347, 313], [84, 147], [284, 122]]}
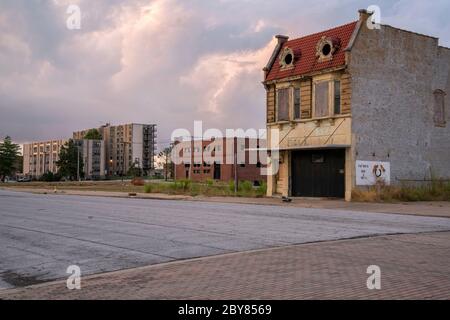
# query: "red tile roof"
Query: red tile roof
{"points": [[308, 61]]}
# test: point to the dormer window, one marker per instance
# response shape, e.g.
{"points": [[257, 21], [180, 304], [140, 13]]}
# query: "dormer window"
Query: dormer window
{"points": [[326, 47], [326, 50], [287, 58]]}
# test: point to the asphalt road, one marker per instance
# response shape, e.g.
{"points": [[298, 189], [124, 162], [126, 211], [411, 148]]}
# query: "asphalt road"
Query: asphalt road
{"points": [[41, 235]]}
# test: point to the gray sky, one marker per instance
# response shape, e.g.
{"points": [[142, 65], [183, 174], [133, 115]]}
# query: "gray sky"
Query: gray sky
{"points": [[164, 61]]}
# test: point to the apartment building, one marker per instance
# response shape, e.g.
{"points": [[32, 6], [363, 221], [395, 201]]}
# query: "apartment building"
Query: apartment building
{"points": [[200, 160], [93, 155], [356, 106], [127, 146], [41, 157]]}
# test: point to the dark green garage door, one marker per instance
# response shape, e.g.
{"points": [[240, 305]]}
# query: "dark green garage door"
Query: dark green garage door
{"points": [[318, 173]]}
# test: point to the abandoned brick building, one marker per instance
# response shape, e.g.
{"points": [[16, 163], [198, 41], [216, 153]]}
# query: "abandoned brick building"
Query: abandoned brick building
{"points": [[357, 106], [213, 159]]}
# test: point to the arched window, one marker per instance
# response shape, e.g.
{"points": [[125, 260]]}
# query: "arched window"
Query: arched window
{"points": [[439, 108]]}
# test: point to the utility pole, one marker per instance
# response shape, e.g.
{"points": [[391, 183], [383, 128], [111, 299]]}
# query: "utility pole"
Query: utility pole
{"points": [[235, 167], [78, 161], [165, 153], [125, 157], [167, 160]]}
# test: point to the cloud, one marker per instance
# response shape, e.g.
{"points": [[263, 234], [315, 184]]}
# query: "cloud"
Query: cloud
{"points": [[163, 61]]}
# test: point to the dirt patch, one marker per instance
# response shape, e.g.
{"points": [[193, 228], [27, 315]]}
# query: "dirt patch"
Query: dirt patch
{"points": [[19, 280]]}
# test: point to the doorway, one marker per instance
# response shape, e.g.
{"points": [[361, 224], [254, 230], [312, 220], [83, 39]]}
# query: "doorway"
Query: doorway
{"points": [[216, 171], [318, 173]]}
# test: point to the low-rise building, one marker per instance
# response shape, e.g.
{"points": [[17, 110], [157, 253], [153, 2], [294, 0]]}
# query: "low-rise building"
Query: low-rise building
{"points": [[355, 106], [200, 160]]}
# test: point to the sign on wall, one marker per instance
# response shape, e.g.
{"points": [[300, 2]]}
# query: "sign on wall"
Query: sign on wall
{"points": [[368, 173]]}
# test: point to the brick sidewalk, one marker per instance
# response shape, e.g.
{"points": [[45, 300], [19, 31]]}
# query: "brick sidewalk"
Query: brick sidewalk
{"points": [[413, 266]]}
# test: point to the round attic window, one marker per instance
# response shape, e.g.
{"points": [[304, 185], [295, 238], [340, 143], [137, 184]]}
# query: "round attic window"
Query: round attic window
{"points": [[288, 59], [326, 49]]}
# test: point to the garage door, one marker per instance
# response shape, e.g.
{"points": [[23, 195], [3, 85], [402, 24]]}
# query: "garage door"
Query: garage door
{"points": [[318, 173]]}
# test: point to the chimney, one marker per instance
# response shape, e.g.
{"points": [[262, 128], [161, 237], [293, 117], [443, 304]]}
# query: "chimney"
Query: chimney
{"points": [[364, 15], [281, 39]]}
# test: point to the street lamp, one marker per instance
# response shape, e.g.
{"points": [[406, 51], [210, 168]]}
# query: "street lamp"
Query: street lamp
{"points": [[124, 158], [78, 161]]}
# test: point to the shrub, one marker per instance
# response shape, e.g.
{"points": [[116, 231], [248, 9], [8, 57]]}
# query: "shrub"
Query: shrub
{"points": [[148, 188], [246, 186], [185, 184], [231, 185], [181, 185], [195, 190], [50, 177], [262, 188]]}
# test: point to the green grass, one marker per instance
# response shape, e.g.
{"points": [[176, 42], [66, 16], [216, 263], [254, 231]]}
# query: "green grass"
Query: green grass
{"points": [[180, 187], [208, 188]]}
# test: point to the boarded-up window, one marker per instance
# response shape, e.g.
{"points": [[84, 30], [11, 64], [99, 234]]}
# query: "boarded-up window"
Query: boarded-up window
{"points": [[337, 97], [439, 108], [297, 103], [321, 99], [283, 104]]}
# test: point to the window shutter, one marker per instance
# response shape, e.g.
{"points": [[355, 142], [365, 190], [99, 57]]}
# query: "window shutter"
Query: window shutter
{"points": [[321, 99], [283, 105]]}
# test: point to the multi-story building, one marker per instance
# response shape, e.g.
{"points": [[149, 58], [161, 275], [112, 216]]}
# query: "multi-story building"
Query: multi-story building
{"points": [[200, 160], [357, 105], [41, 157], [93, 155], [126, 146]]}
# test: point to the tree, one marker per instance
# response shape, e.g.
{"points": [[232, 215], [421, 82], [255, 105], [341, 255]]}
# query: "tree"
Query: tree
{"points": [[165, 156], [18, 164], [50, 177], [9, 153], [93, 134], [134, 170], [70, 161]]}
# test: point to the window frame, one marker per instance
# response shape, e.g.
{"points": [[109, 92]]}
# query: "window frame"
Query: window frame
{"points": [[335, 93], [316, 83], [296, 86], [331, 80], [440, 123], [288, 99], [294, 107]]}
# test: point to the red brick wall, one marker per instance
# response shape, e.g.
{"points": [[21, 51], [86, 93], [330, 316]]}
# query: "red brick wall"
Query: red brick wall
{"points": [[249, 172]]}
